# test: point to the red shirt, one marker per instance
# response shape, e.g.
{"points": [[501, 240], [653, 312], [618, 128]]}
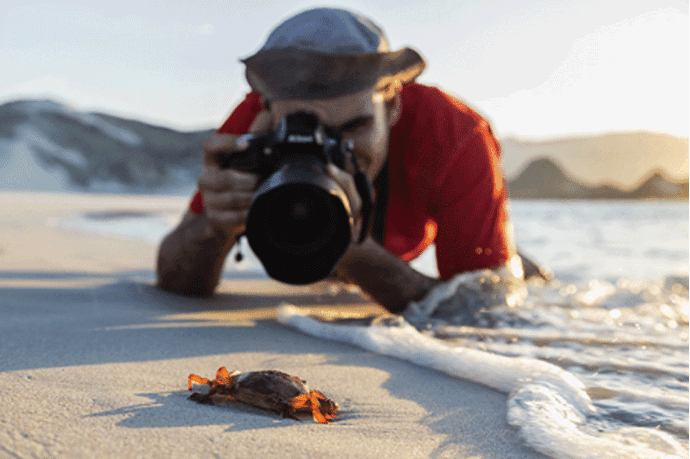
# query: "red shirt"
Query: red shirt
{"points": [[445, 182]]}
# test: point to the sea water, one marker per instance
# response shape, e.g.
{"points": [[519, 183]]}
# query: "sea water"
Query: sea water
{"points": [[595, 360]]}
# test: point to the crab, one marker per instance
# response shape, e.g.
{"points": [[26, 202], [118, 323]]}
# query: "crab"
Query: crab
{"points": [[271, 390]]}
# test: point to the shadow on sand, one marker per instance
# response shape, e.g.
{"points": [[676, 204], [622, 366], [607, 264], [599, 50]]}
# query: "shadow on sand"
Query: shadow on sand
{"points": [[120, 322]]}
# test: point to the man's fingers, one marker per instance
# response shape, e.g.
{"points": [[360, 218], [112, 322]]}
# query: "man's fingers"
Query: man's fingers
{"points": [[227, 218], [222, 143], [226, 180], [263, 123], [347, 182], [218, 143], [229, 200], [228, 143]]}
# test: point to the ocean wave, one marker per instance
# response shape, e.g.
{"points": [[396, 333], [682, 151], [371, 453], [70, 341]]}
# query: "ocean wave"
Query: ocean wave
{"points": [[548, 404]]}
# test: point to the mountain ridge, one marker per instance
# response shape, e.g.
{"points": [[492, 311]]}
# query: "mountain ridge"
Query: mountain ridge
{"points": [[96, 152], [544, 178], [591, 159]]}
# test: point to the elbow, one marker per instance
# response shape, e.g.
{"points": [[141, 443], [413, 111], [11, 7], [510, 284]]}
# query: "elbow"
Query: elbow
{"points": [[173, 278], [179, 284], [190, 289]]}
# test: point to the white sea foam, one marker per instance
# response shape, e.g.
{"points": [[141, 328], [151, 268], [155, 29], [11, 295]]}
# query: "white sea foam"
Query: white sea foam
{"points": [[463, 298], [552, 426], [566, 357], [548, 404]]}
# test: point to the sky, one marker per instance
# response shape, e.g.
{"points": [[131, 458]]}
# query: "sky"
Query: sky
{"points": [[535, 69]]}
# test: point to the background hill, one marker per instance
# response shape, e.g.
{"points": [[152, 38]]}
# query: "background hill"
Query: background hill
{"points": [[622, 159], [46, 146], [543, 178]]}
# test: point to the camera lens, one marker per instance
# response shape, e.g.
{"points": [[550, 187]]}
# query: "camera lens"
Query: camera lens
{"points": [[300, 222], [302, 225], [299, 231], [299, 219], [301, 210]]}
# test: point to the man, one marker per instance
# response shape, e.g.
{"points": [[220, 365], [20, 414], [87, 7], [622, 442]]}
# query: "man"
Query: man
{"points": [[434, 162]]}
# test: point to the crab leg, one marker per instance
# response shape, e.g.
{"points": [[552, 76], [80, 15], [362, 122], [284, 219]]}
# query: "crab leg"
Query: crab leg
{"points": [[197, 379], [310, 401], [301, 402], [327, 415]]}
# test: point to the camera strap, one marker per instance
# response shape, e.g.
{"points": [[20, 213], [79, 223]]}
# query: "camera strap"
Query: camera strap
{"points": [[239, 256]]}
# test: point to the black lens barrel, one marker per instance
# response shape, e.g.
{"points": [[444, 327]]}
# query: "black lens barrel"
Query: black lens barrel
{"points": [[299, 223]]}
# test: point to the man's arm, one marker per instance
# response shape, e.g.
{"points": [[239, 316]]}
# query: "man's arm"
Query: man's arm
{"points": [[382, 276], [191, 257]]}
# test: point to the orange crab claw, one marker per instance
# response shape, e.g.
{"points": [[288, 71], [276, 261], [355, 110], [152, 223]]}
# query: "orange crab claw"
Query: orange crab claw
{"points": [[301, 402], [318, 416], [197, 379], [222, 376], [316, 408], [310, 401], [328, 408]]}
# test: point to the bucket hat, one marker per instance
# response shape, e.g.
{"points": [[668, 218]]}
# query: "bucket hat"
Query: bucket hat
{"points": [[328, 52]]}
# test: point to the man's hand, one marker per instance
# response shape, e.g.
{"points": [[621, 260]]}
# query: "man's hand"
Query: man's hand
{"points": [[191, 257], [347, 182], [228, 193]]}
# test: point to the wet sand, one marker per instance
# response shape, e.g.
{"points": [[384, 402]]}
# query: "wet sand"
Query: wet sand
{"points": [[95, 358]]}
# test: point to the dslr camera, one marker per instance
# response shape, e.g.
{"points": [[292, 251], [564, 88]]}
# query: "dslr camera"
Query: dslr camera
{"points": [[300, 220]]}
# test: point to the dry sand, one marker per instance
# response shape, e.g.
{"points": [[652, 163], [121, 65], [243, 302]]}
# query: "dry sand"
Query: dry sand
{"points": [[94, 359]]}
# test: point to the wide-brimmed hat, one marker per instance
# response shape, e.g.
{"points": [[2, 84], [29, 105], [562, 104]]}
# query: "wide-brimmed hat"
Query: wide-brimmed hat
{"points": [[328, 52]]}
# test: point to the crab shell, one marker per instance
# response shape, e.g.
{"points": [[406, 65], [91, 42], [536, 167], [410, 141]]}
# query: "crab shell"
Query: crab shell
{"points": [[271, 390]]}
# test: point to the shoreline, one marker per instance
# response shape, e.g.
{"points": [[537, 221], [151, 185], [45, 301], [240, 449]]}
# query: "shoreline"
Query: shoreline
{"points": [[96, 358]]}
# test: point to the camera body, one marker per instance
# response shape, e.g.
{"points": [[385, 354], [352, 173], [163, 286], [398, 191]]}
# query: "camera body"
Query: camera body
{"points": [[300, 220]]}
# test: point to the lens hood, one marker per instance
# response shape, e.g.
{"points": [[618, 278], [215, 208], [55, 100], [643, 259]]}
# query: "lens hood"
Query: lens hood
{"points": [[300, 222]]}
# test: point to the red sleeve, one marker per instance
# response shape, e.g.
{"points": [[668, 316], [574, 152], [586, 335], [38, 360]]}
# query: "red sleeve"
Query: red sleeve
{"points": [[472, 221], [241, 119], [238, 123]]}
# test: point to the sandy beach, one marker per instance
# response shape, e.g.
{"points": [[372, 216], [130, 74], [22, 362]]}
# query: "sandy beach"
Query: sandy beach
{"points": [[95, 358]]}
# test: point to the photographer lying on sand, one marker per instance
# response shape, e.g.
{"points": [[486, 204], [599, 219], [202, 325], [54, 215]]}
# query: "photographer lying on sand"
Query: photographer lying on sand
{"points": [[434, 164]]}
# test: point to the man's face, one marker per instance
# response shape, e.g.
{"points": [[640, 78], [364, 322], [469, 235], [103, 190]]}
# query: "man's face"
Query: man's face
{"points": [[363, 117]]}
